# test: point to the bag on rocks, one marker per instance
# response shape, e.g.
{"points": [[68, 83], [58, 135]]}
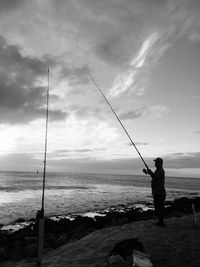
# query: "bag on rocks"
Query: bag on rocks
{"points": [[126, 247], [130, 251], [141, 259]]}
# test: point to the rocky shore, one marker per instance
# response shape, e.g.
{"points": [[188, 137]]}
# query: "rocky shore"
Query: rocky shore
{"points": [[22, 244]]}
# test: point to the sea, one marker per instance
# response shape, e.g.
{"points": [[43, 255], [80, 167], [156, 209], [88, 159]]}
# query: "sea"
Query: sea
{"points": [[80, 193]]}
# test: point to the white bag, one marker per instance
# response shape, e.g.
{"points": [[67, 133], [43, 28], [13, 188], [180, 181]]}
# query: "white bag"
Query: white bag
{"points": [[141, 259]]}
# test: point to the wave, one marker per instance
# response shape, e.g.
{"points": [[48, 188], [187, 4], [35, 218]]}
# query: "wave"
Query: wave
{"points": [[50, 187], [69, 187]]}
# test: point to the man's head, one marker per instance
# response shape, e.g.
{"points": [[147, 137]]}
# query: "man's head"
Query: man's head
{"points": [[158, 162]]}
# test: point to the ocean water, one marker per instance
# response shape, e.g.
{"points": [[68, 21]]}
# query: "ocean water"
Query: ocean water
{"points": [[72, 193]]}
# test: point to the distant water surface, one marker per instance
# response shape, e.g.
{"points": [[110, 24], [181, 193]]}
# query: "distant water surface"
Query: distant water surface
{"points": [[68, 193]]}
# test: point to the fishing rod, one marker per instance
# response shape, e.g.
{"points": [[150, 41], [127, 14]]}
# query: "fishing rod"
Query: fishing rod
{"points": [[45, 147], [97, 86], [40, 213]]}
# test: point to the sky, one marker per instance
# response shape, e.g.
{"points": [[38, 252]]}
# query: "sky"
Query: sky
{"points": [[143, 54]]}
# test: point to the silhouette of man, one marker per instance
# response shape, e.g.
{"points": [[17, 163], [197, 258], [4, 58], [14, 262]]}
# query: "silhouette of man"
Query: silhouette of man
{"points": [[158, 189]]}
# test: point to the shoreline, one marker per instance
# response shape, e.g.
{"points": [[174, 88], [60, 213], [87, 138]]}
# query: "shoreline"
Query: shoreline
{"points": [[20, 223], [22, 243]]}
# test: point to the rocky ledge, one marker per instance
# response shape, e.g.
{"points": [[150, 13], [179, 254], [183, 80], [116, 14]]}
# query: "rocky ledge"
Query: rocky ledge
{"points": [[15, 245]]}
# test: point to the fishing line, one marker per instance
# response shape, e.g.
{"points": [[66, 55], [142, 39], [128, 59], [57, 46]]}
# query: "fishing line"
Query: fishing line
{"points": [[97, 86]]}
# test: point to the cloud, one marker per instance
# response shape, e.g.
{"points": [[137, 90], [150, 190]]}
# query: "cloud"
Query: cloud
{"points": [[127, 36], [75, 75], [140, 66], [157, 111], [89, 111], [23, 95], [92, 165], [178, 20], [153, 112], [77, 153], [182, 160], [27, 114], [133, 114], [65, 162], [9, 5]]}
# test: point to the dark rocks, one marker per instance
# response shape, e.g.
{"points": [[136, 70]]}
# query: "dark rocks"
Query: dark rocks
{"points": [[174, 213], [55, 227], [122, 221], [30, 240], [182, 204], [112, 218], [23, 243], [3, 254], [79, 234], [30, 250], [63, 239], [15, 252], [50, 240]]}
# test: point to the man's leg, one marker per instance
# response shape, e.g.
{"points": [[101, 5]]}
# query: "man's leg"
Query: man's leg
{"points": [[159, 208]]}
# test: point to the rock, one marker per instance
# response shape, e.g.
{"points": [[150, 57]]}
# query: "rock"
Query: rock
{"points": [[30, 240], [174, 213], [101, 221], [57, 227], [183, 204], [63, 239], [83, 222], [78, 235], [15, 253], [50, 239], [134, 214], [197, 203], [30, 250], [122, 221], [3, 254], [111, 218], [116, 259]]}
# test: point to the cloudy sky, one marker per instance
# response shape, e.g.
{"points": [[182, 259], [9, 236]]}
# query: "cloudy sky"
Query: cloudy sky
{"points": [[144, 55]]}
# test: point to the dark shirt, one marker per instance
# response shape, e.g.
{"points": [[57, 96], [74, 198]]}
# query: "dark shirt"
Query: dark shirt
{"points": [[158, 182]]}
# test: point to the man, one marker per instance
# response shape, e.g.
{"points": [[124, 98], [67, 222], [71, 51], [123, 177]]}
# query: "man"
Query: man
{"points": [[158, 189]]}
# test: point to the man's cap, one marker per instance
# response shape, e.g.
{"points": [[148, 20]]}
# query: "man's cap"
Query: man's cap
{"points": [[158, 160]]}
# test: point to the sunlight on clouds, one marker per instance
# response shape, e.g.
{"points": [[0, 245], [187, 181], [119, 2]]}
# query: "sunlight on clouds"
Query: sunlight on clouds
{"points": [[139, 60], [80, 133], [125, 80], [157, 111], [71, 134], [122, 82], [7, 143]]}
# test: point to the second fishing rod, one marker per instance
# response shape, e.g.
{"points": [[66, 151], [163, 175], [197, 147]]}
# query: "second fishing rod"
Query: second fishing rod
{"points": [[97, 86]]}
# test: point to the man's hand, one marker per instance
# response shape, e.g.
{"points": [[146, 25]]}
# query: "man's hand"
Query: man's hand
{"points": [[149, 171], [145, 171]]}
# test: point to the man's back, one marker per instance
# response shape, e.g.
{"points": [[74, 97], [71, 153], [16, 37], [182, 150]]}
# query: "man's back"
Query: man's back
{"points": [[158, 182]]}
